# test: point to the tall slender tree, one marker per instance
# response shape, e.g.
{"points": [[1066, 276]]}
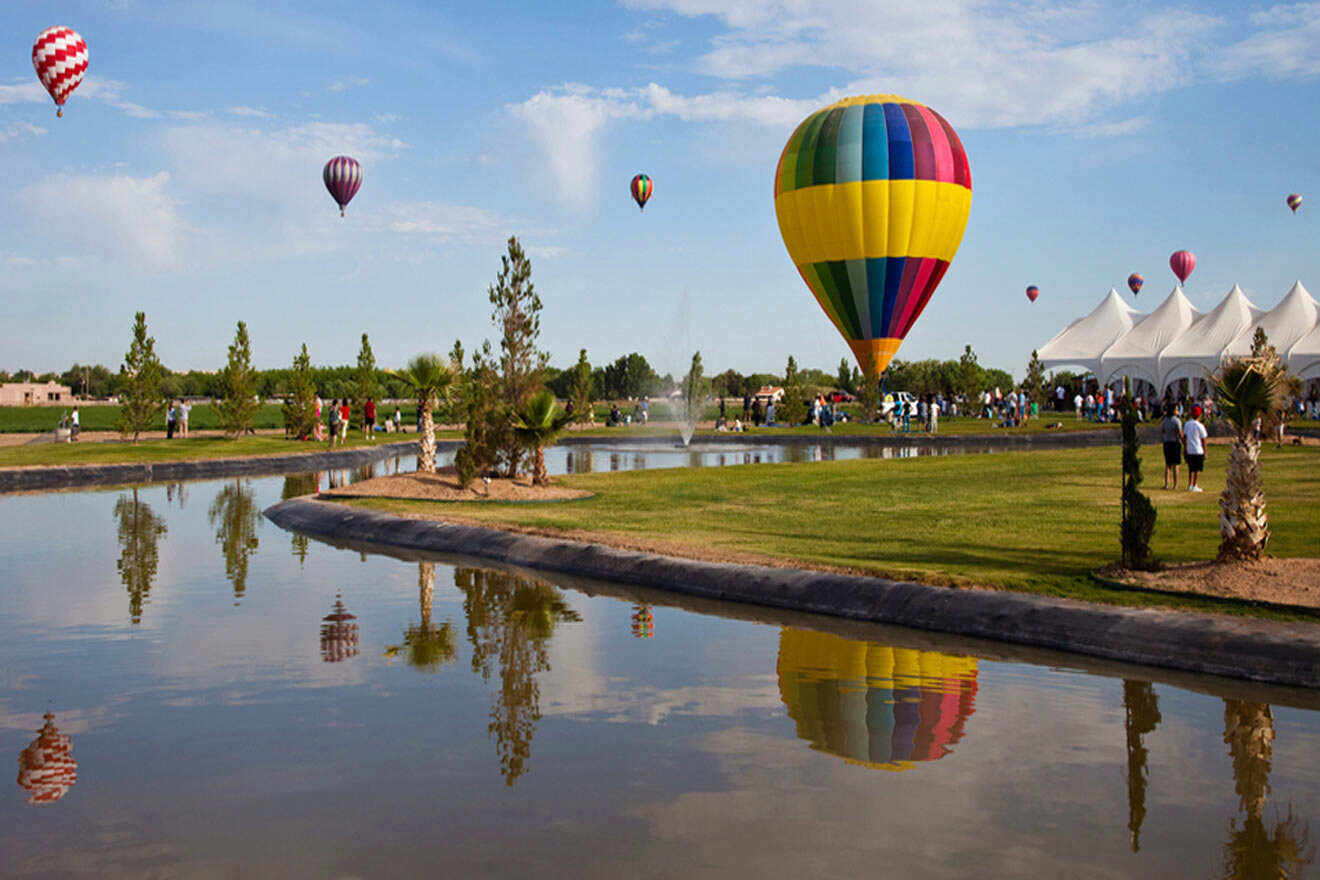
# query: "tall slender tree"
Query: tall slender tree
{"points": [[792, 410], [140, 531], [516, 311], [364, 378], [139, 378], [238, 386], [300, 405], [580, 391]]}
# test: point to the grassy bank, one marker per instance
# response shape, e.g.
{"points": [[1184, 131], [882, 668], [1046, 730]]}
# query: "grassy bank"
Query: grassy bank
{"points": [[958, 427], [1034, 521], [182, 449], [203, 417]]}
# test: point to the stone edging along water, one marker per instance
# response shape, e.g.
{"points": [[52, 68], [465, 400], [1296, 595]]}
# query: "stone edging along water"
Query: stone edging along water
{"points": [[49, 477], [1244, 648]]}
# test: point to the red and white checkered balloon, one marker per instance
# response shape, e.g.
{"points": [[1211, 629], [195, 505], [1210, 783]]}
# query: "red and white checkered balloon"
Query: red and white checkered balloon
{"points": [[60, 58]]}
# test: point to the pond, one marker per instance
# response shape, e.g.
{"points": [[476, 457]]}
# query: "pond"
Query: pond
{"points": [[187, 689]]}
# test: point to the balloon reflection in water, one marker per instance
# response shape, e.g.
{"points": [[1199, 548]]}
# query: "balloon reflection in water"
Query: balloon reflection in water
{"points": [[46, 768], [643, 622], [339, 634], [875, 705]]}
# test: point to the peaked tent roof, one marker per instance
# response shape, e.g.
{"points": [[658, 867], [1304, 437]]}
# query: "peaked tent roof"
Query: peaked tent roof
{"points": [[1082, 342], [1304, 357], [1289, 321], [1136, 353], [1201, 348]]}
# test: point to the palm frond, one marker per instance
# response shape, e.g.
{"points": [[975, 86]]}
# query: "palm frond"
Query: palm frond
{"points": [[1249, 388]]}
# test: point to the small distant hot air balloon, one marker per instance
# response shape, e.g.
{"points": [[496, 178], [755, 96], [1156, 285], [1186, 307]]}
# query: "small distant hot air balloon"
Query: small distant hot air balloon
{"points": [[342, 176], [641, 190], [872, 195], [1135, 281], [1294, 201], [1032, 292], [1182, 263], [59, 56]]}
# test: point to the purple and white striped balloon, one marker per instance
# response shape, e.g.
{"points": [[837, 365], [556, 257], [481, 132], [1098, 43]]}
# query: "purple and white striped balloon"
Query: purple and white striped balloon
{"points": [[342, 176]]}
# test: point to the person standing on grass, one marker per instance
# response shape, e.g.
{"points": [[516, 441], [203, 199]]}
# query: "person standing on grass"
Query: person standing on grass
{"points": [[184, 407], [1171, 432], [334, 423], [73, 424], [398, 420], [171, 419], [1194, 432], [369, 418], [344, 414]]}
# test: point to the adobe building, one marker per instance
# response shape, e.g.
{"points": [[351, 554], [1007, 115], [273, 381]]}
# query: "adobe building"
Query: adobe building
{"points": [[34, 394]]}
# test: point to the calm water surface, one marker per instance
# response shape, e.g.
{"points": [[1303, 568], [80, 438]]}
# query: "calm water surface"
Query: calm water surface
{"points": [[212, 710]]}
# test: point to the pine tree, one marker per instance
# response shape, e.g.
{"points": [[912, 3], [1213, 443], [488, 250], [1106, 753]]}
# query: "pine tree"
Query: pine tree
{"points": [[140, 379], [792, 410], [300, 405], [364, 378], [971, 379], [846, 376], [516, 310], [868, 391], [580, 391], [1034, 383], [1137, 516], [238, 387]]}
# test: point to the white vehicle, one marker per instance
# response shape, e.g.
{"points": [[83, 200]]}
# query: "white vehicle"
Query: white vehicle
{"points": [[893, 399]]}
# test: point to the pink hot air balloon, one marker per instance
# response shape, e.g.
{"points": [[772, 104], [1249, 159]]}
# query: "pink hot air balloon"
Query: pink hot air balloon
{"points": [[1294, 201], [1032, 292], [1182, 263], [342, 176]]}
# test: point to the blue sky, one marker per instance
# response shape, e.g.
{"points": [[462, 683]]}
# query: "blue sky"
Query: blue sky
{"points": [[184, 179]]}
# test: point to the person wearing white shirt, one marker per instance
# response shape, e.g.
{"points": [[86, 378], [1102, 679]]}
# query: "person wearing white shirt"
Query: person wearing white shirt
{"points": [[1194, 435]]}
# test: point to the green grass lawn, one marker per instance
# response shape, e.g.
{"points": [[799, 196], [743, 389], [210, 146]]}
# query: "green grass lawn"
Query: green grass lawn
{"points": [[102, 417], [1034, 521], [181, 449]]}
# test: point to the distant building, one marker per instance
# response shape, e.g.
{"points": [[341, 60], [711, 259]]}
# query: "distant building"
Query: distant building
{"points": [[770, 394], [34, 393]]}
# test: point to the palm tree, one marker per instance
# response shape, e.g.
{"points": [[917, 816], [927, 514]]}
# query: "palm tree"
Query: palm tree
{"points": [[1248, 388], [425, 645], [430, 379], [536, 424]]}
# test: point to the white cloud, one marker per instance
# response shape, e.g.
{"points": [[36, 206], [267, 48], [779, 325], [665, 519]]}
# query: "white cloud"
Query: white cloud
{"points": [[245, 110], [23, 92], [1288, 45], [439, 223], [118, 218], [1121, 128], [348, 82], [19, 129]]}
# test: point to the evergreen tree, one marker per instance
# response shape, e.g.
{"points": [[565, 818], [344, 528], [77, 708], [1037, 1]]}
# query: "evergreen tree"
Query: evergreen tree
{"points": [[238, 387], [365, 377], [868, 391], [846, 377], [1034, 383], [300, 404], [792, 410], [140, 378], [1137, 521], [516, 310], [971, 379], [580, 391]]}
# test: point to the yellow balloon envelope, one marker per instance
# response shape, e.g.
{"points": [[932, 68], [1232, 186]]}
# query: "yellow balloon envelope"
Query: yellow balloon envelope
{"points": [[872, 195]]}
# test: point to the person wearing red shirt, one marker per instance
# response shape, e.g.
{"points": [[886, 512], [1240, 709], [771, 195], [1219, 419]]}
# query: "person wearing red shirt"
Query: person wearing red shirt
{"points": [[369, 418]]}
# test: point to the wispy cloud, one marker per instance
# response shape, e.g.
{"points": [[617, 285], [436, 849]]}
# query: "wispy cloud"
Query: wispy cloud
{"points": [[348, 82], [1286, 47], [20, 129], [1120, 128], [255, 112]]}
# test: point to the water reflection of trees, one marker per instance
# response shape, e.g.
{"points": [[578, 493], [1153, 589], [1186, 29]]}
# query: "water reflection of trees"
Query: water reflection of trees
{"points": [[295, 486], [236, 518], [425, 645], [140, 531], [1141, 714], [510, 621], [1254, 849]]}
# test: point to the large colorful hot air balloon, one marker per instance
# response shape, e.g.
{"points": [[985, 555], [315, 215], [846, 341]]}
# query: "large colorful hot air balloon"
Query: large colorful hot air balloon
{"points": [[1294, 201], [46, 768], [641, 190], [872, 195], [60, 58], [342, 176], [1134, 283], [1032, 292], [1182, 263]]}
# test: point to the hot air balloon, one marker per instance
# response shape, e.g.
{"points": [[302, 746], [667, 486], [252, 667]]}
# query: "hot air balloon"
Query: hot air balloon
{"points": [[342, 176], [46, 768], [1294, 201], [1182, 263], [1134, 283], [641, 190], [1032, 292], [59, 56], [872, 195]]}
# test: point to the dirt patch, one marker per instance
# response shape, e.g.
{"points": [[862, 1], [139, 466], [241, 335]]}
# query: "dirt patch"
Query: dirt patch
{"points": [[1278, 581], [443, 486]]}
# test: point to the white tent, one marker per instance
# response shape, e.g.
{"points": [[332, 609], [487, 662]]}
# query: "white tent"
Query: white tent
{"points": [[1083, 341], [1201, 348], [1304, 356], [1136, 353], [1289, 321]]}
